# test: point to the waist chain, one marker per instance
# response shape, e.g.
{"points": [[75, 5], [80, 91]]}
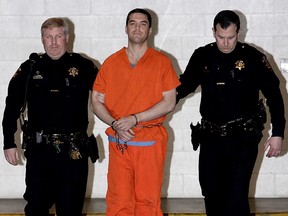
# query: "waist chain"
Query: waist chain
{"points": [[121, 147], [149, 125]]}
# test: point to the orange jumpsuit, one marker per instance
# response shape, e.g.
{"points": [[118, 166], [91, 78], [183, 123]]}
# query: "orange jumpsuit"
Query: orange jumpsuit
{"points": [[135, 177]]}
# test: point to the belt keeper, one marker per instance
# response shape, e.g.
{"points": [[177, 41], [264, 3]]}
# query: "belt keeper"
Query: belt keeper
{"points": [[135, 119]]}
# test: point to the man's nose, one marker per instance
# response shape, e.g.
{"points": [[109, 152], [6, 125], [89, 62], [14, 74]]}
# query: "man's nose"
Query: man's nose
{"points": [[226, 42], [53, 40]]}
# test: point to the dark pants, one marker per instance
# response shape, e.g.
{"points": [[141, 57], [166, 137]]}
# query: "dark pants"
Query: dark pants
{"points": [[225, 169], [54, 178]]}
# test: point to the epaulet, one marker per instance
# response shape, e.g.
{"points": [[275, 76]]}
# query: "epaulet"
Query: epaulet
{"points": [[35, 56], [207, 47], [72, 54], [210, 45], [40, 55], [245, 46]]}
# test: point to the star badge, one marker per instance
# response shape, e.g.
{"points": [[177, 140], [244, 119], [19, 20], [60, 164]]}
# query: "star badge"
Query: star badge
{"points": [[239, 64], [73, 71]]}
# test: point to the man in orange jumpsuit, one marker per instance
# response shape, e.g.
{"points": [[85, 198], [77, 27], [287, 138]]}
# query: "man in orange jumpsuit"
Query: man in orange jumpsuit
{"points": [[133, 92]]}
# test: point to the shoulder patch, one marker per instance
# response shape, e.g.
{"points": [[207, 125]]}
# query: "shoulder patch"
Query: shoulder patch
{"points": [[266, 62], [16, 74]]}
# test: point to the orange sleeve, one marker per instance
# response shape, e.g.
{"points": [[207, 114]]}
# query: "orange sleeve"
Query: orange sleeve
{"points": [[170, 79]]}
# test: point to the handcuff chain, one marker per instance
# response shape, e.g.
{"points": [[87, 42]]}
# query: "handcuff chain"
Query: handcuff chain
{"points": [[119, 145]]}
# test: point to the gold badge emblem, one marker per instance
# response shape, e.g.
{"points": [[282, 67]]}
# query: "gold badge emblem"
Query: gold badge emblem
{"points": [[73, 71], [240, 64]]}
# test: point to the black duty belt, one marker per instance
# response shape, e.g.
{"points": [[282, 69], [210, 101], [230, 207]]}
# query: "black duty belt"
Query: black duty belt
{"points": [[236, 126], [57, 139]]}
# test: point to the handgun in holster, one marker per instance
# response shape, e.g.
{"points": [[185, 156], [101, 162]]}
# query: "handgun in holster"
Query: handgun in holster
{"points": [[195, 135], [26, 136], [92, 148]]}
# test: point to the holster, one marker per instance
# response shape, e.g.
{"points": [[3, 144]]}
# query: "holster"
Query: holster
{"points": [[196, 135], [92, 148], [26, 136]]}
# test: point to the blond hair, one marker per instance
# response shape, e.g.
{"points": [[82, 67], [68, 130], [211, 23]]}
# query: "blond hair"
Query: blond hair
{"points": [[55, 22]]}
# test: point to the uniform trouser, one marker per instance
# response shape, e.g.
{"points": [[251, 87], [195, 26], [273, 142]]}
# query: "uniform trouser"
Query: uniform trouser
{"points": [[225, 169], [135, 180], [54, 178]]}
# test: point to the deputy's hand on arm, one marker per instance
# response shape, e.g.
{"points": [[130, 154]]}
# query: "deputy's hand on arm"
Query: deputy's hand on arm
{"points": [[12, 156], [274, 146], [99, 109]]}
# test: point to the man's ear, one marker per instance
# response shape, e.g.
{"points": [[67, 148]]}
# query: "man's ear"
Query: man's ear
{"points": [[214, 32], [67, 37]]}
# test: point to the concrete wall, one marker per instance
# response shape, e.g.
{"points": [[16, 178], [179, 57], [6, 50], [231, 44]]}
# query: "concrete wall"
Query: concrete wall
{"points": [[181, 26]]}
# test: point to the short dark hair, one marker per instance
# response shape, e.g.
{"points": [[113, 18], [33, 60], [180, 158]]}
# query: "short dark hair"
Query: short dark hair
{"points": [[140, 10], [225, 18]]}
